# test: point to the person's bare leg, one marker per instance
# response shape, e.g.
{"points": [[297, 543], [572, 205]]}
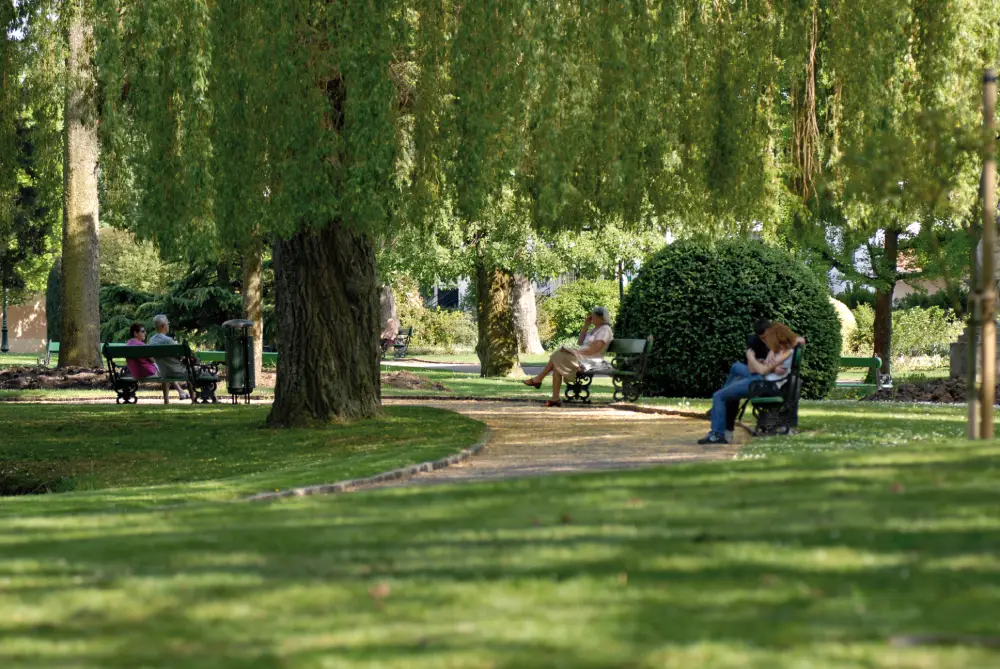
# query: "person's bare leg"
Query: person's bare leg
{"points": [[166, 393], [538, 378], [556, 385]]}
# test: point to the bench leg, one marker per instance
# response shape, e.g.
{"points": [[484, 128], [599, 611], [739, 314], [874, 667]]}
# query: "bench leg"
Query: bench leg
{"points": [[126, 393], [579, 390]]}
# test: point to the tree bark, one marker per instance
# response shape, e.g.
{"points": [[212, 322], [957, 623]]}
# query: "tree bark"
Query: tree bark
{"points": [[326, 304], [883, 301], [80, 330], [253, 300], [525, 317], [497, 346], [386, 306]]}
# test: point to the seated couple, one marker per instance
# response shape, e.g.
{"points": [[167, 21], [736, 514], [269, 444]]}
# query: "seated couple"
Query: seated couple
{"points": [[595, 337], [141, 368], [769, 358]]}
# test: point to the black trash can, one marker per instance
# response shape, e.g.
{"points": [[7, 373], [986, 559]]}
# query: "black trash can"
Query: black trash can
{"points": [[241, 378]]}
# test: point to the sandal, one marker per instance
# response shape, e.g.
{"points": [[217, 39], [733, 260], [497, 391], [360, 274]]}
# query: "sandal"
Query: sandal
{"points": [[534, 384], [553, 403]]}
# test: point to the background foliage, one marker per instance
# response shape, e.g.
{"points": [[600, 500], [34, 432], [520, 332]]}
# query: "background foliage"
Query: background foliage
{"points": [[915, 331], [561, 315]]}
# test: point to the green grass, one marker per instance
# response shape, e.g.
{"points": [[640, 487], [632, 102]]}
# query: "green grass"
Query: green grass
{"points": [[18, 360], [470, 358], [204, 453], [877, 521]]}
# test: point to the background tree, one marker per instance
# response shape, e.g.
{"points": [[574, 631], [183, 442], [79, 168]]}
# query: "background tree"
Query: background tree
{"points": [[80, 315]]}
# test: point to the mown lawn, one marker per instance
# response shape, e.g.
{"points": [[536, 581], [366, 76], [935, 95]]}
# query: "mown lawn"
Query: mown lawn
{"points": [[817, 550], [18, 359], [158, 453]]}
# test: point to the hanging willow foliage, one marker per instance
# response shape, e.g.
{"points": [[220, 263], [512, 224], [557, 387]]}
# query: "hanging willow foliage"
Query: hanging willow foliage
{"points": [[220, 117]]}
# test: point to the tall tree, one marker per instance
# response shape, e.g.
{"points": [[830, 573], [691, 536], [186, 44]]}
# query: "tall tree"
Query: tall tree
{"points": [[80, 315]]}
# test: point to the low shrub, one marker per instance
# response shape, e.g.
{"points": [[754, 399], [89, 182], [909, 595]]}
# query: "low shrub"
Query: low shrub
{"points": [[915, 331], [445, 329], [561, 315]]}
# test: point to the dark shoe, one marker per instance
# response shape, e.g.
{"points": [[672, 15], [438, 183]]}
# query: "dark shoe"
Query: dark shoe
{"points": [[713, 438], [553, 403], [534, 384]]}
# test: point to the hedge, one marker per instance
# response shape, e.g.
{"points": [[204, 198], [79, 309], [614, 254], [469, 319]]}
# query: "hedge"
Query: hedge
{"points": [[700, 301]]}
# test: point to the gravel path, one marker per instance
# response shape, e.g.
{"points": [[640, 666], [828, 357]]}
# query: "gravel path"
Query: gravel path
{"points": [[530, 440]]}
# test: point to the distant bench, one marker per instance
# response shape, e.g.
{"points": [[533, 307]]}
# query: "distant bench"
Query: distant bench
{"points": [[270, 357], [873, 363], [202, 379], [52, 348], [627, 372]]}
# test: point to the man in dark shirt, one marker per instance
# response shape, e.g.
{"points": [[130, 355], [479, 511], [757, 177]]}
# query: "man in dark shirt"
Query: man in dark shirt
{"points": [[755, 343]]}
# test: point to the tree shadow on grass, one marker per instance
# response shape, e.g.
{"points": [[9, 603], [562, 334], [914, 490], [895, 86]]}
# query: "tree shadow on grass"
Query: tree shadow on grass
{"points": [[584, 571]]}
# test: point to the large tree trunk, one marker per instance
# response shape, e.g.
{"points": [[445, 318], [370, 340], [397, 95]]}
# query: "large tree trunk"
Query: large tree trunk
{"points": [[525, 316], [386, 306], [80, 331], [497, 347], [883, 301], [326, 303], [253, 301]]}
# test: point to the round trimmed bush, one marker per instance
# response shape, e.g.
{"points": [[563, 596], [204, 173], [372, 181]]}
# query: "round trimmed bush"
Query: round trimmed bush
{"points": [[700, 302]]}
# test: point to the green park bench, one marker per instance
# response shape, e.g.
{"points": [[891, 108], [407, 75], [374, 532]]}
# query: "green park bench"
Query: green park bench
{"points": [[873, 363], [52, 349], [202, 378], [400, 345], [627, 372], [270, 357], [775, 407]]}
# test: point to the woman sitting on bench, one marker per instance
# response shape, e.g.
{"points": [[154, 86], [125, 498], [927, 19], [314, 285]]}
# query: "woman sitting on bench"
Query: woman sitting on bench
{"points": [[566, 362], [139, 368], [781, 341]]}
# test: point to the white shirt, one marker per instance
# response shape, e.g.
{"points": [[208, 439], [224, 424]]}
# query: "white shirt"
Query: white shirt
{"points": [[603, 334], [782, 370]]}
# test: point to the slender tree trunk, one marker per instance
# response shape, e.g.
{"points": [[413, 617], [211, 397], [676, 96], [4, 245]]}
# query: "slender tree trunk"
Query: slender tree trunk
{"points": [[80, 330], [253, 300], [386, 306], [883, 302], [525, 316], [497, 347], [326, 303]]}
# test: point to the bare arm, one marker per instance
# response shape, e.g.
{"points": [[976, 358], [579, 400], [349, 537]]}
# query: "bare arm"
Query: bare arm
{"points": [[595, 347], [755, 365], [583, 331]]}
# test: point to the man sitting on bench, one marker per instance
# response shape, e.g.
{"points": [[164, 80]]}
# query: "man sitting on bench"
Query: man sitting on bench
{"points": [[781, 342], [169, 367]]}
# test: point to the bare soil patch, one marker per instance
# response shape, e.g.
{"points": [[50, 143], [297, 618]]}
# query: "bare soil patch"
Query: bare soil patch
{"points": [[43, 378], [404, 380], [944, 391]]}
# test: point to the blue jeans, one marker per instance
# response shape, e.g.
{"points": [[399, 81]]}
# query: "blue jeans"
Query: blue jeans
{"points": [[738, 370], [735, 390]]}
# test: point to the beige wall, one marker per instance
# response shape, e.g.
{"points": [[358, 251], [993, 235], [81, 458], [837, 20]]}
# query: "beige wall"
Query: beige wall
{"points": [[26, 325], [902, 289]]}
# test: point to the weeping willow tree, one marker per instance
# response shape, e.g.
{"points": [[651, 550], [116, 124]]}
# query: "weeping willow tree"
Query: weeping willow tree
{"points": [[30, 144], [882, 150]]}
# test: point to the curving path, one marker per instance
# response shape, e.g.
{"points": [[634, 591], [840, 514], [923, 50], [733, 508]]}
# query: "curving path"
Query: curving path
{"points": [[528, 439]]}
